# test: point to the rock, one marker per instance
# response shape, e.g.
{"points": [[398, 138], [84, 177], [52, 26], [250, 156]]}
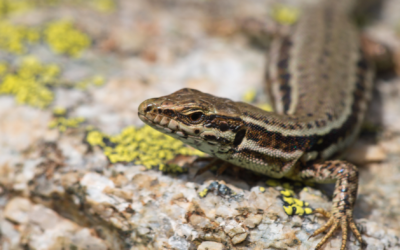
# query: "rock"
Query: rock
{"points": [[17, 210], [364, 153], [58, 192], [210, 245], [238, 238], [253, 220]]}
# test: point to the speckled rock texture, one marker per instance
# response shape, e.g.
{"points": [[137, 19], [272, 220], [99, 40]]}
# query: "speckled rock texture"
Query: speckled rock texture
{"points": [[58, 192]]}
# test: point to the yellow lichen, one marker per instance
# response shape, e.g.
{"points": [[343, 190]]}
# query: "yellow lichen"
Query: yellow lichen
{"points": [[203, 193], [294, 201], [285, 14], [293, 206], [249, 95], [30, 83], [14, 37], [8, 7], [3, 68], [95, 80], [297, 210], [266, 107], [103, 5], [287, 193], [59, 111], [144, 146], [61, 122], [64, 38], [14, 6]]}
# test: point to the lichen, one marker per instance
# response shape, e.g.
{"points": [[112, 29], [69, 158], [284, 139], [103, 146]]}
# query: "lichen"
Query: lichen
{"points": [[249, 95], [95, 80], [64, 38], [286, 15], [9, 7], [294, 206], [13, 38], [265, 106], [31, 82], [14, 6], [61, 122], [142, 146], [3, 68], [103, 5]]}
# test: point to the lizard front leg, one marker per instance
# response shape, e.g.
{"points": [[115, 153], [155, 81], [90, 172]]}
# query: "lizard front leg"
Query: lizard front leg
{"points": [[344, 197]]}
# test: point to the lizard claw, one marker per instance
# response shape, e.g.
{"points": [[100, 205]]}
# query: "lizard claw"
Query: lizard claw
{"points": [[344, 221]]}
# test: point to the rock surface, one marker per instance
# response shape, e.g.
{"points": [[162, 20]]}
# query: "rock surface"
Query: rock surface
{"points": [[57, 192]]}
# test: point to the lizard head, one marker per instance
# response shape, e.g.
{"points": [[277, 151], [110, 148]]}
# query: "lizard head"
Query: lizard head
{"points": [[208, 123]]}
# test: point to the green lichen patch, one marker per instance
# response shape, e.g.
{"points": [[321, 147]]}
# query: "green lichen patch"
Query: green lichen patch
{"points": [[64, 38], [62, 122], [144, 146], [31, 82]]}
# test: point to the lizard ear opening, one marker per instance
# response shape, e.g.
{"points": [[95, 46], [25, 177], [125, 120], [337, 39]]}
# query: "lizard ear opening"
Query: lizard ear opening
{"points": [[239, 137]]}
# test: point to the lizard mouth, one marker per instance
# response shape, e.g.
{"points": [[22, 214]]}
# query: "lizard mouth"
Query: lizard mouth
{"points": [[154, 117]]}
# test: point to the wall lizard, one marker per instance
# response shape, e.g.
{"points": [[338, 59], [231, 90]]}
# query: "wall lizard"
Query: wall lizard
{"points": [[320, 81]]}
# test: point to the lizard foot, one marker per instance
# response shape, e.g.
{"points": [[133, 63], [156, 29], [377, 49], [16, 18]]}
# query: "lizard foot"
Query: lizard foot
{"points": [[344, 221]]}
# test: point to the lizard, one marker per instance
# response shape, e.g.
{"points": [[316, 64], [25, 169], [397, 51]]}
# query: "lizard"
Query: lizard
{"points": [[320, 81]]}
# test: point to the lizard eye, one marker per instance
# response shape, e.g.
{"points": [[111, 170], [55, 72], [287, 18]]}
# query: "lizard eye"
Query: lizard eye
{"points": [[196, 117]]}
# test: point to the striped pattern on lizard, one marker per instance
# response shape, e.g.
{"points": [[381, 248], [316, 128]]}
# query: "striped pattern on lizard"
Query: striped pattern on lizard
{"points": [[320, 81]]}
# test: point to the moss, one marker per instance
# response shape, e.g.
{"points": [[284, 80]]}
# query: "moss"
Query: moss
{"points": [[144, 146]]}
